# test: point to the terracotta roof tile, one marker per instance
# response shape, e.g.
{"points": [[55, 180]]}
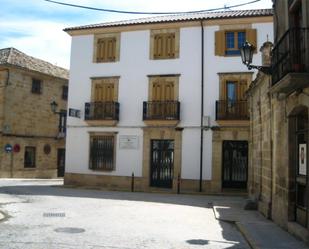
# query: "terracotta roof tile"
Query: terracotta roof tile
{"points": [[14, 57], [180, 18]]}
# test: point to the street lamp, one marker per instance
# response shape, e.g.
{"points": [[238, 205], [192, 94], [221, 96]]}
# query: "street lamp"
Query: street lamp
{"points": [[246, 53], [53, 106]]}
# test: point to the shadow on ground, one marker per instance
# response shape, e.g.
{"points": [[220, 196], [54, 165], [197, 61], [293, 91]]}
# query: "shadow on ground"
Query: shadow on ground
{"points": [[58, 190]]}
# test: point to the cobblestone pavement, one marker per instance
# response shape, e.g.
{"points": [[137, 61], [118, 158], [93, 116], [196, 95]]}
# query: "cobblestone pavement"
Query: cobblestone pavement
{"points": [[42, 214]]}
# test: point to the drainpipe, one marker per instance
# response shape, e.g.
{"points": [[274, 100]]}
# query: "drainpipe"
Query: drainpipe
{"points": [[202, 106]]}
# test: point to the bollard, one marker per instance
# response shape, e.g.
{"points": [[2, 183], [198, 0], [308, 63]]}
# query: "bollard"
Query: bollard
{"points": [[132, 182], [178, 184]]}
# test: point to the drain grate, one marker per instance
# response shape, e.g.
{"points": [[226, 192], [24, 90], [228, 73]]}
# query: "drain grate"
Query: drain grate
{"points": [[53, 214], [69, 230]]}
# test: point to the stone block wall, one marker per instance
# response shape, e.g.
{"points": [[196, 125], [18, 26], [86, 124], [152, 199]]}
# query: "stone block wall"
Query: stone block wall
{"points": [[26, 119]]}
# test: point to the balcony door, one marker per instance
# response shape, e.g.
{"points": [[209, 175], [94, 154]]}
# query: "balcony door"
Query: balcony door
{"points": [[163, 96], [234, 98], [104, 96]]}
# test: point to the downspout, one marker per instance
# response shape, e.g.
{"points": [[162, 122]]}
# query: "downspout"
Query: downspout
{"points": [[202, 106]]}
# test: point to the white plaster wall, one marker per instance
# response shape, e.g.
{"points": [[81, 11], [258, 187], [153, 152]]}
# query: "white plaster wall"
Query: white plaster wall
{"points": [[190, 160], [226, 64], [133, 68], [212, 66], [127, 160]]}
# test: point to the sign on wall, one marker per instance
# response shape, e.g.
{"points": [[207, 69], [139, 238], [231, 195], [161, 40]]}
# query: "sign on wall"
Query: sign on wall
{"points": [[302, 158], [8, 148], [128, 142], [74, 113]]}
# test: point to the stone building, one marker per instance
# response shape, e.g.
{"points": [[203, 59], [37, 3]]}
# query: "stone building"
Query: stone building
{"points": [[32, 137], [279, 103]]}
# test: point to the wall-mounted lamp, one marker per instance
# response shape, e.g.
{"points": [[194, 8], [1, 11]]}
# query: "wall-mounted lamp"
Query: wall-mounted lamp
{"points": [[246, 53], [53, 106]]}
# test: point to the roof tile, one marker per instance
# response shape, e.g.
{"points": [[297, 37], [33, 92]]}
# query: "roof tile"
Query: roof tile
{"points": [[14, 57], [180, 18]]}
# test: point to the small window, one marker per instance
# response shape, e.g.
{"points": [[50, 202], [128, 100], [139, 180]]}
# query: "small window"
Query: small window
{"points": [[102, 152], [164, 44], [234, 41], [229, 42], [65, 92], [29, 159], [36, 86], [62, 121], [106, 48]]}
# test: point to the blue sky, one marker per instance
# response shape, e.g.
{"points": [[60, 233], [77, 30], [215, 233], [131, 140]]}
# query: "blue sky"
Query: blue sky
{"points": [[35, 26]]}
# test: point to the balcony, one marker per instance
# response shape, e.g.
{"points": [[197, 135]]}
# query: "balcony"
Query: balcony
{"points": [[161, 112], [102, 113], [232, 110], [290, 59]]}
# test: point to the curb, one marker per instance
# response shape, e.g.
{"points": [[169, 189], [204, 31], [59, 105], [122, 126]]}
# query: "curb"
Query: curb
{"points": [[240, 228], [2, 216], [246, 235]]}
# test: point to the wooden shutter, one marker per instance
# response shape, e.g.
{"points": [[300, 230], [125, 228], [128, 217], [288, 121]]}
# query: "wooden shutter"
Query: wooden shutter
{"points": [[220, 43], [164, 45], [170, 45], [163, 90], [251, 38], [241, 90], [157, 46], [106, 49], [104, 92]]}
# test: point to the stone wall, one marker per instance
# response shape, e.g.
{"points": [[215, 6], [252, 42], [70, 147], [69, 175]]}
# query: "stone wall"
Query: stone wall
{"points": [[27, 120]]}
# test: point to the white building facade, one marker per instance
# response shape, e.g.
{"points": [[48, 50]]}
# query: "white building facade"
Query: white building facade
{"points": [[147, 91]]}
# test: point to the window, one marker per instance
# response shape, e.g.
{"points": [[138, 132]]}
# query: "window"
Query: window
{"points": [[234, 41], [102, 155], [65, 92], [229, 42], [164, 44], [29, 159], [62, 122], [106, 48], [104, 97], [36, 86], [232, 103]]}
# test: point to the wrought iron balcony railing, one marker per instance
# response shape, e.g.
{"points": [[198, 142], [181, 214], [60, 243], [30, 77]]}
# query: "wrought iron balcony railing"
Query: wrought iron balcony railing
{"points": [[290, 54], [161, 110], [231, 110], [102, 111]]}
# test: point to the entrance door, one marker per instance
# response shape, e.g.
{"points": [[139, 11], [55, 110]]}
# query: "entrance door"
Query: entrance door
{"points": [[301, 208], [235, 164], [60, 162], [162, 161]]}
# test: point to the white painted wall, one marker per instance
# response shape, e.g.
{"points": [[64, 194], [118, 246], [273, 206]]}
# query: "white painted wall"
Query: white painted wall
{"points": [[127, 160], [133, 68]]}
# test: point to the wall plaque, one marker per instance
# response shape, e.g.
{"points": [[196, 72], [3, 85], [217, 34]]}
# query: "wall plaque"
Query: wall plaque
{"points": [[128, 142], [302, 159]]}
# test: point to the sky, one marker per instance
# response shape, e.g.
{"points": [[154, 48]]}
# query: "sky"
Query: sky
{"points": [[35, 27]]}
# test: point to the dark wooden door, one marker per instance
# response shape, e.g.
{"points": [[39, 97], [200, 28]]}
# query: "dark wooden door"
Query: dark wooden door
{"points": [[162, 162], [60, 162], [302, 188], [234, 164]]}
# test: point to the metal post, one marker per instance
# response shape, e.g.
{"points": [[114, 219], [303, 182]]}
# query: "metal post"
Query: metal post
{"points": [[11, 164], [178, 184], [132, 182]]}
